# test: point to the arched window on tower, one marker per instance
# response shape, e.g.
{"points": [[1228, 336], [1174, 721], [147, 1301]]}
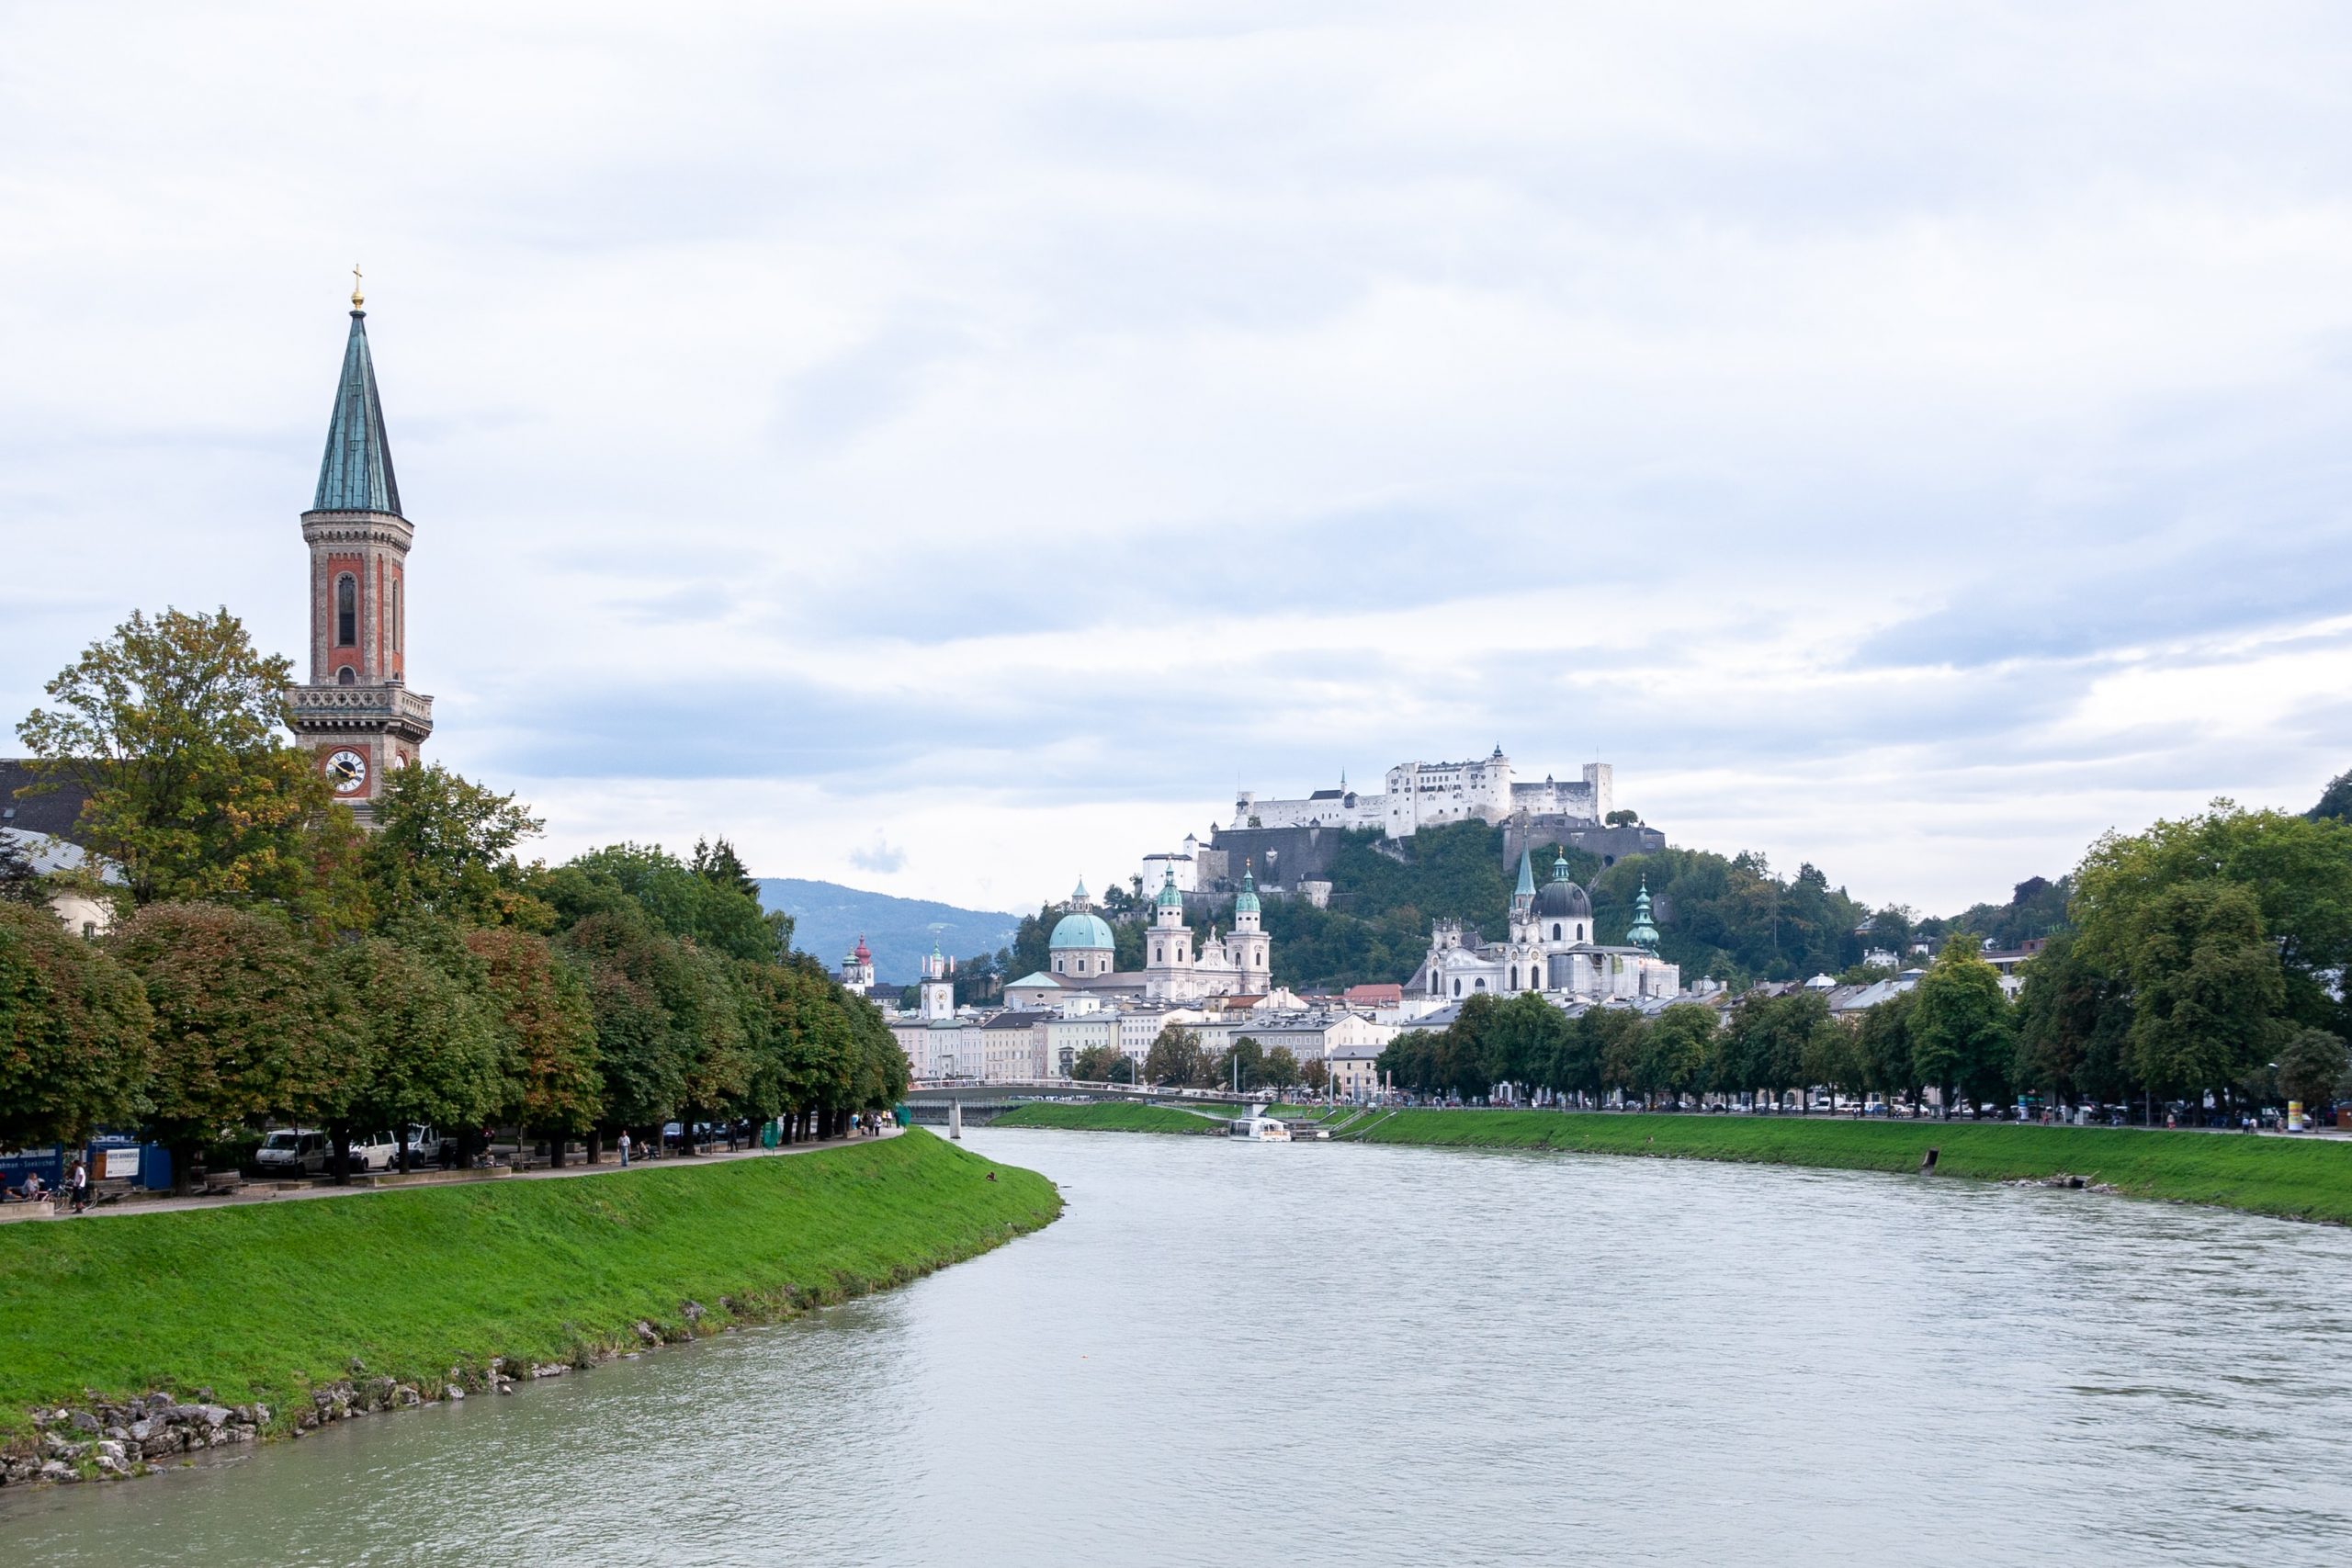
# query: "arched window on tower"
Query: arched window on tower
{"points": [[1555, 930], [346, 611], [396, 614], [346, 676]]}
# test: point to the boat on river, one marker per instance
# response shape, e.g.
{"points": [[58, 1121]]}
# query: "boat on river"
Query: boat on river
{"points": [[1258, 1128]]}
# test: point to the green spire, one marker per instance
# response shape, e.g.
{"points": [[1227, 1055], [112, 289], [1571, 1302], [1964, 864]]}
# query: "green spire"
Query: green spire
{"points": [[1168, 897], [1526, 876], [1640, 933], [1560, 867], [356, 475], [1246, 901]]}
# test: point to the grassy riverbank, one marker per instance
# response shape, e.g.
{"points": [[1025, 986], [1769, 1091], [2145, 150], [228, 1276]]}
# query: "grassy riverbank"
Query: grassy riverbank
{"points": [[262, 1302], [2295, 1178], [1110, 1116]]}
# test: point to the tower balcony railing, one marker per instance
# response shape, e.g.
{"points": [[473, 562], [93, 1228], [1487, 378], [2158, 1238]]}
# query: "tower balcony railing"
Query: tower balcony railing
{"points": [[360, 702]]}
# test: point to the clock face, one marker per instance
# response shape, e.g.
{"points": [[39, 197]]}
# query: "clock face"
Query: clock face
{"points": [[348, 771]]}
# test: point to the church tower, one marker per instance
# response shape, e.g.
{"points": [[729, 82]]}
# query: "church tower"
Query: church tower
{"points": [[1251, 948], [1168, 948], [938, 988], [356, 714]]}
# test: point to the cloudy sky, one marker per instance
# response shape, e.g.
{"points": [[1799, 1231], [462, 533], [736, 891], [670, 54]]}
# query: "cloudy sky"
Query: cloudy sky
{"points": [[949, 449]]}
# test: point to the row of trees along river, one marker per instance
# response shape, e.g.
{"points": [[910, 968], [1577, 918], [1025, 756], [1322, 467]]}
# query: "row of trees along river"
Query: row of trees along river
{"points": [[2205, 956], [274, 963]]}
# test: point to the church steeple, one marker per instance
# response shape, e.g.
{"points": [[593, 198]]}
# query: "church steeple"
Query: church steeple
{"points": [[356, 475]]}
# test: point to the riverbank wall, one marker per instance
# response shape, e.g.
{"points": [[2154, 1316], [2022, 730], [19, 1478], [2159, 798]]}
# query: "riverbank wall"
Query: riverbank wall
{"points": [[135, 1341], [2289, 1178]]}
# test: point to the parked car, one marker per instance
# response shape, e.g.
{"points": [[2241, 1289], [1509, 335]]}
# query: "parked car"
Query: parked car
{"points": [[374, 1150], [293, 1151]]}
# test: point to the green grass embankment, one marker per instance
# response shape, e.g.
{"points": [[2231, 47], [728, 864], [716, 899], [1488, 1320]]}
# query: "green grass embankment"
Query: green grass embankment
{"points": [[262, 1302], [1111, 1116], [2294, 1178]]}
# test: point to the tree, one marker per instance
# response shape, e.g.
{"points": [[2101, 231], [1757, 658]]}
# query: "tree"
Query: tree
{"points": [[1175, 1059], [172, 728], [1621, 818], [1883, 1040], [73, 1034], [1315, 1074], [242, 1027], [1675, 1049], [2311, 1064], [2335, 801], [1239, 1067], [445, 845], [1833, 1058], [2071, 1020], [550, 1033], [21, 882], [1960, 1029], [641, 1055], [1280, 1069], [1096, 1064], [421, 1017], [2205, 987], [716, 915]]}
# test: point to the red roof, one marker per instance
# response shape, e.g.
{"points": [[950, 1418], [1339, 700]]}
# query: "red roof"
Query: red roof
{"points": [[862, 956], [1374, 996]]}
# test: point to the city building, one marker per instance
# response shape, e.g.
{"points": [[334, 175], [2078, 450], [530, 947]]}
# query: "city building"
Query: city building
{"points": [[1418, 794]]}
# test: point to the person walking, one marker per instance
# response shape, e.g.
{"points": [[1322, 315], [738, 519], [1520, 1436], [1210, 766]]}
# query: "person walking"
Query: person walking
{"points": [[623, 1148], [77, 1186]]}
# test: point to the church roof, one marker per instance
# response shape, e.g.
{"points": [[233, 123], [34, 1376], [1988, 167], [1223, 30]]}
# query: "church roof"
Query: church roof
{"points": [[1080, 929], [356, 475], [1526, 876]]}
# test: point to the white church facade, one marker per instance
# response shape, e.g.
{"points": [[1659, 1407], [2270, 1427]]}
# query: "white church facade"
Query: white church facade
{"points": [[1550, 950]]}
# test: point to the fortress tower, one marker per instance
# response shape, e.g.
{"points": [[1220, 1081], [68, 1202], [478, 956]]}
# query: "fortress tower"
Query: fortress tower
{"points": [[356, 714]]}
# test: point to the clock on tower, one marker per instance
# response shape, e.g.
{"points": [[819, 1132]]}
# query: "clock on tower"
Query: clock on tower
{"points": [[356, 714]]}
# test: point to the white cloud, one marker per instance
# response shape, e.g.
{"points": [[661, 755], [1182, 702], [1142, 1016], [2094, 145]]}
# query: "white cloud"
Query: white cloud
{"points": [[1902, 439]]}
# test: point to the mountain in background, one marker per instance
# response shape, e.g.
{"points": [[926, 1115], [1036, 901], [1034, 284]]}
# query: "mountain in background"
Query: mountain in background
{"points": [[827, 919]]}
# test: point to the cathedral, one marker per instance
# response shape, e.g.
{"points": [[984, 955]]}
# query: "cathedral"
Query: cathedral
{"points": [[1080, 958], [1549, 949], [356, 714]]}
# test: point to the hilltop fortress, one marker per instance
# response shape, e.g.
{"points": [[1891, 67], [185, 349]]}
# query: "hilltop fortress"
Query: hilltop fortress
{"points": [[1424, 793]]}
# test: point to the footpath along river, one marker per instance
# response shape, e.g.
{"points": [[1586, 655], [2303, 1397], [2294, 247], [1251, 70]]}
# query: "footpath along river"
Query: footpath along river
{"points": [[1232, 1352]]}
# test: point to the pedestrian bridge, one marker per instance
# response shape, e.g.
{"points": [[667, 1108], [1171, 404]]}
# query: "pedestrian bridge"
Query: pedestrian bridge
{"points": [[930, 1099]]}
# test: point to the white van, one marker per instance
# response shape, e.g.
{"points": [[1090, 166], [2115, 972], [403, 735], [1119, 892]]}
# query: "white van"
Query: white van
{"points": [[293, 1151], [381, 1151]]}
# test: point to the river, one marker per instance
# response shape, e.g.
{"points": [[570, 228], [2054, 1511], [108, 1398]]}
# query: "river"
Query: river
{"points": [[1228, 1353]]}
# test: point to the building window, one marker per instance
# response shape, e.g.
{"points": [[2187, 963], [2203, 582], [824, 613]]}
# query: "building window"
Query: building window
{"points": [[396, 614], [1555, 930], [346, 676], [346, 612]]}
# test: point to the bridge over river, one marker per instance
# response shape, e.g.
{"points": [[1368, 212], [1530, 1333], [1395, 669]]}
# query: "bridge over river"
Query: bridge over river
{"points": [[940, 1102]]}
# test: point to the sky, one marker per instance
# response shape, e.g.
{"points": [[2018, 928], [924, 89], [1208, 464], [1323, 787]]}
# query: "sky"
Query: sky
{"points": [[949, 450]]}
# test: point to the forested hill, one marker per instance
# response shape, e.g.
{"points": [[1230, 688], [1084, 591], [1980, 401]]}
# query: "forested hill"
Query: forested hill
{"points": [[1734, 918], [827, 919]]}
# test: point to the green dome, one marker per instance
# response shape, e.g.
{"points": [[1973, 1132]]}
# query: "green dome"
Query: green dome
{"points": [[1246, 901], [1080, 930], [1640, 933], [1168, 897]]}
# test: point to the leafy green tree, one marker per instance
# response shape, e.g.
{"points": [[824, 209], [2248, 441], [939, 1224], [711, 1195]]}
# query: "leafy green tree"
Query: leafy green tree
{"points": [[421, 1016], [1833, 1059], [2072, 1022], [671, 895], [641, 1054], [2298, 870], [1960, 1026], [1410, 1062], [1882, 1041], [172, 726], [1281, 1069], [1675, 1049], [549, 1030], [2205, 987], [1176, 1059], [444, 845], [73, 1034], [2335, 801], [1096, 1062], [243, 1029], [2311, 1064], [21, 882], [1241, 1065]]}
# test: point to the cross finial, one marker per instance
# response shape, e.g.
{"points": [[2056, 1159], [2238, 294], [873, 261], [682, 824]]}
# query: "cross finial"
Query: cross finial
{"points": [[357, 298]]}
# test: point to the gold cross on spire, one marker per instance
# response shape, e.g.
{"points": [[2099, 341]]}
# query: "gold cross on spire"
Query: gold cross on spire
{"points": [[357, 299]]}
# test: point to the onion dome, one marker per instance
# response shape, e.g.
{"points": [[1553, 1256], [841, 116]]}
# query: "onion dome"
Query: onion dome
{"points": [[1246, 901], [1168, 897], [1640, 933], [1561, 898], [863, 954]]}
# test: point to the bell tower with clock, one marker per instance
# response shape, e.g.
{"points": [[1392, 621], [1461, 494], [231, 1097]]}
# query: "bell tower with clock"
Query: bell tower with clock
{"points": [[356, 714]]}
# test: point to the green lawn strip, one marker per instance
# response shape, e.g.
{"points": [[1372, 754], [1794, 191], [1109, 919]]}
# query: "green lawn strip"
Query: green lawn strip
{"points": [[262, 1302], [1112, 1116], [2289, 1177]]}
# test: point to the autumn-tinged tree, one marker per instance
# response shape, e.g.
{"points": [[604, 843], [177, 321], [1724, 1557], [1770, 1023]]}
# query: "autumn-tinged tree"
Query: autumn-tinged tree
{"points": [[550, 1033], [173, 728], [243, 1033], [73, 1034]]}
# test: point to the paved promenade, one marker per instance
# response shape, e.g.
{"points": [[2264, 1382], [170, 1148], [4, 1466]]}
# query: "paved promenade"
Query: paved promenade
{"points": [[263, 1193]]}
